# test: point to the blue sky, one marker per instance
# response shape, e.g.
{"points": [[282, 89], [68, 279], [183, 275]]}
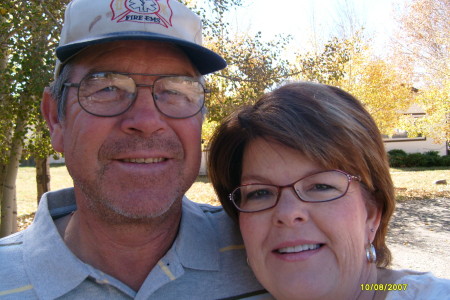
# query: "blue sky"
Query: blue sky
{"points": [[301, 18]]}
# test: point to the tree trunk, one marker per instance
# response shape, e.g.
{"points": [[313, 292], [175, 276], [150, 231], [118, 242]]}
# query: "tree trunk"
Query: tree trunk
{"points": [[42, 177], [3, 64], [9, 205], [4, 170], [2, 178]]}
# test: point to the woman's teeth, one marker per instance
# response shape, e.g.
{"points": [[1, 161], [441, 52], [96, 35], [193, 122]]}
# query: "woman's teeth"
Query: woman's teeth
{"points": [[299, 248]]}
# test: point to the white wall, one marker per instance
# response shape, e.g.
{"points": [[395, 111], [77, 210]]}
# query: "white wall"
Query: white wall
{"points": [[415, 145], [203, 163], [59, 160]]}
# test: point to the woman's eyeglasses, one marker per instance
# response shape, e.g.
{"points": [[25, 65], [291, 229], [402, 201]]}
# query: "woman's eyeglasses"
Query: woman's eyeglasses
{"points": [[319, 187]]}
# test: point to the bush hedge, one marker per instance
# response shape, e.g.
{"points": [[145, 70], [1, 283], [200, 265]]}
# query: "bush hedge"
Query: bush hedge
{"points": [[400, 159]]}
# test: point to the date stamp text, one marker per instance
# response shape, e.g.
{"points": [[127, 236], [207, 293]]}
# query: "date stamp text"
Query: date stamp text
{"points": [[384, 287]]}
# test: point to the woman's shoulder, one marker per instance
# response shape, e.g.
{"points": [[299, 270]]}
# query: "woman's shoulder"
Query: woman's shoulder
{"points": [[408, 284]]}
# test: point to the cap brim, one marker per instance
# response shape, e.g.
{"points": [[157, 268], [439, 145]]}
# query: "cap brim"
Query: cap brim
{"points": [[205, 60]]}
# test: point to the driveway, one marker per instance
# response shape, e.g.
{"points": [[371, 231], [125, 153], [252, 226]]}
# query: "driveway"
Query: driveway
{"points": [[419, 236]]}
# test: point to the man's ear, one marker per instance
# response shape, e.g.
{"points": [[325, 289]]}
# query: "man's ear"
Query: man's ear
{"points": [[49, 109]]}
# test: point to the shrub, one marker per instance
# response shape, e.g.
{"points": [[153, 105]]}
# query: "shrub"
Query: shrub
{"points": [[400, 159], [415, 160], [397, 158], [431, 159], [445, 160], [396, 152]]}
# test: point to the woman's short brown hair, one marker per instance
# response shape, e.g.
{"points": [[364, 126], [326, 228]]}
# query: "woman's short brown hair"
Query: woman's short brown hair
{"points": [[327, 125]]}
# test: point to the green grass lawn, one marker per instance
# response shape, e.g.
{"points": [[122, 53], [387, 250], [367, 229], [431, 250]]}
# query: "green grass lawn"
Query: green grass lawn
{"points": [[409, 183], [418, 183]]}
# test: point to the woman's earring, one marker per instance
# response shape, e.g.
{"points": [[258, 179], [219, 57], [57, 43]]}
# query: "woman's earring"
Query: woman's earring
{"points": [[371, 253]]}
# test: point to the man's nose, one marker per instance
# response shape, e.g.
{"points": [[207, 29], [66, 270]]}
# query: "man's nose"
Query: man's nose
{"points": [[143, 117]]}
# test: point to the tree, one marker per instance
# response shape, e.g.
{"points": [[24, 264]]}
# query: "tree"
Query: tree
{"points": [[350, 64], [424, 36], [254, 65], [435, 100], [423, 40], [29, 31], [385, 92], [330, 65]]}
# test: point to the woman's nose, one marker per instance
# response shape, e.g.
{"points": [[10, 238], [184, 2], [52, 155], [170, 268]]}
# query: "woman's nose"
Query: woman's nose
{"points": [[290, 210]]}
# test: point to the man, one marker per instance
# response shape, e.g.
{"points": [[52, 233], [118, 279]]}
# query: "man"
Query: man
{"points": [[126, 110]]}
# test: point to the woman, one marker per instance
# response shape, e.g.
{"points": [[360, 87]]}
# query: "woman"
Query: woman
{"points": [[305, 173]]}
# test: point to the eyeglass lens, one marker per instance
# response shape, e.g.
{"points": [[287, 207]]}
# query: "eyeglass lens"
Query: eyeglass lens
{"points": [[111, 94], [319, 187]]}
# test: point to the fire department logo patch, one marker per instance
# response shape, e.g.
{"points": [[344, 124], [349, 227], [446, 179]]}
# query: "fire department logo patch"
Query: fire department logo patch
{"points": [[142, 11]]}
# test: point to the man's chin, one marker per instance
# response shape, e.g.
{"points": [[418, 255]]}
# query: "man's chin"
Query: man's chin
{"points": [[119, 214], [148, 212], [136, 206]]}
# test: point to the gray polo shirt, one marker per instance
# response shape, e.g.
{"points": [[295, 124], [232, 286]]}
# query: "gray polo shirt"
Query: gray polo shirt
{"points": [[206, 261]]}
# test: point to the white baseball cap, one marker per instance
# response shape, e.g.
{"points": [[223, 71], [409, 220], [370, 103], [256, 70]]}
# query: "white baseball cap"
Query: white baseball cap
{"points": [[91, 22]]}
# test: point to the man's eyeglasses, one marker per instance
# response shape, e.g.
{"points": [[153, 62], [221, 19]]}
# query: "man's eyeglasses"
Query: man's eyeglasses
{"points": [[319, 187], [108, 94]]}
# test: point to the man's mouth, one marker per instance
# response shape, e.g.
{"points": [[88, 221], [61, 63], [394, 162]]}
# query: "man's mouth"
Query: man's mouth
{"points": [[144, 160], [299, 248]]}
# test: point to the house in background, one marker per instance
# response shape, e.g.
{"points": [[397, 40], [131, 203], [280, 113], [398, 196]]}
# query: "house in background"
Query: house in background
{"points": [[400, 140]]}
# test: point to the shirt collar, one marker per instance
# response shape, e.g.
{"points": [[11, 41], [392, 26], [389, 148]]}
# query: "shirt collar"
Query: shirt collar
{"points": [[197, 243], [52, 268]]}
